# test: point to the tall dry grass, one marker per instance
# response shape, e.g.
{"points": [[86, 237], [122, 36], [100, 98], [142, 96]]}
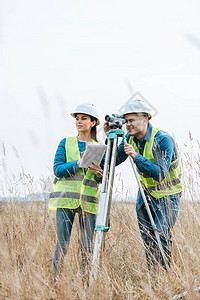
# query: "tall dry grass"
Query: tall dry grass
{"points": [[28, 238]]}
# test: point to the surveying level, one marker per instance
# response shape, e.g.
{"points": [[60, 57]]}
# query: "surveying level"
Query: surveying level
{"points": [[103, 215]]}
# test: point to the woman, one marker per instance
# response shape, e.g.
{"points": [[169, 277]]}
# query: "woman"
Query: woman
{"points": [[75, 190]]}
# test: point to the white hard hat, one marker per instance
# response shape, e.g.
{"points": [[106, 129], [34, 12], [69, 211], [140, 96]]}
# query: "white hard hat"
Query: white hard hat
{"points": [[88, 109], [136, 106]]}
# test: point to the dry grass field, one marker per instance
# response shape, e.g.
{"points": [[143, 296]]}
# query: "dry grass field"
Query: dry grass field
{"points": [[28, 238]]}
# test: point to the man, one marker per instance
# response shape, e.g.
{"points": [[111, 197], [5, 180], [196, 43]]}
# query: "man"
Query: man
{"points": [[155, 154]]}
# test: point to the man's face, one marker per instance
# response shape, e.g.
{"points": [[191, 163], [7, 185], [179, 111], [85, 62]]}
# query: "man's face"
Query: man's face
{"points": [[136, 125]]}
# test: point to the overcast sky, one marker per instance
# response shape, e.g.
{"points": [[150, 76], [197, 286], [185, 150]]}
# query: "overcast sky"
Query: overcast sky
{"points": [[55, 55]]}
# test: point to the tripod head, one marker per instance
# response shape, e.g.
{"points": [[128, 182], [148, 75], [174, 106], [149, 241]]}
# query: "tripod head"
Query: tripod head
{"points": [[115, 121]]}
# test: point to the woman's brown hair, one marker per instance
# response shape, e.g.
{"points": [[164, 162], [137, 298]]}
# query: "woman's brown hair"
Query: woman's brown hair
{"points": [[94, 129]]}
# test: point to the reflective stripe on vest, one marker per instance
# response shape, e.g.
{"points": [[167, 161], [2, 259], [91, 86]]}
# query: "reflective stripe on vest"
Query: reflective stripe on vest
{"points": [[172, 167], [171, 184], [65, 195], [90, 199], [90, 183], [76, 177], [78, 190]]}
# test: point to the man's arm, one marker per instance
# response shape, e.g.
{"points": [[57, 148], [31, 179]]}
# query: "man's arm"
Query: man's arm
{"points": [[163, 153]]}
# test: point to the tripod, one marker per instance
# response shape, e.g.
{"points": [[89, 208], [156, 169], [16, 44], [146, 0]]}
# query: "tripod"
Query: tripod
{"points": [[102, 223]]}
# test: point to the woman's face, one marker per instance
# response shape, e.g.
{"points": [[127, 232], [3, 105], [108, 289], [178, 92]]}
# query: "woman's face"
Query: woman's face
{"points": [[84, 123]]}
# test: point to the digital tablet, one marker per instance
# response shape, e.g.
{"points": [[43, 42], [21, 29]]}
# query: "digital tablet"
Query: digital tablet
{"points": [[93, 154]]}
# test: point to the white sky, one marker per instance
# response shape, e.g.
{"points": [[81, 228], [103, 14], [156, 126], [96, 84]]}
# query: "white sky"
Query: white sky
{"points": [[55, 55]]}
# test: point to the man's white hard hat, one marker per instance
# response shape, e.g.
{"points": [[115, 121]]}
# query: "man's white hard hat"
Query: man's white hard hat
{"points": [[137, 106], [87, 109]]}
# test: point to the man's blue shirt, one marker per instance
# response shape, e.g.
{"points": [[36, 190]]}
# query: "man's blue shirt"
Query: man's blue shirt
{"points": [[164, 152]]}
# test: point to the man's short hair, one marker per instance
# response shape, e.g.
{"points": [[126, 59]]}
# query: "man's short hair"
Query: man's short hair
{"points": [[142, 115]]}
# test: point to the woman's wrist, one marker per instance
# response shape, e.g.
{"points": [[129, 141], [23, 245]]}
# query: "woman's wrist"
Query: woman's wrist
{"points": [[134, 155], [99, 174]]}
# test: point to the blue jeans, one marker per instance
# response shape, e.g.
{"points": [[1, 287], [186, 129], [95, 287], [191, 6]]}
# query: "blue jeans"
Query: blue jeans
{"points": [[64, 223], [164, 212]]}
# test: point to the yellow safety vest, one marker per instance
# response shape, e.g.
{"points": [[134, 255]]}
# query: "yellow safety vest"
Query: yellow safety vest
{"points": [[171, 185], [76, 190]]}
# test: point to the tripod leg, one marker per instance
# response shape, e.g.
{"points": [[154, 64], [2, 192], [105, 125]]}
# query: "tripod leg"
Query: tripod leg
{"points": [[103, 209], [153, 225], [106, 167]]}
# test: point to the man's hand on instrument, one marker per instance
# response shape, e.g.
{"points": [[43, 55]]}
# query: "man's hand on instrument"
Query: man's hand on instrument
{"points": [[96, 169], [129, 150]]}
